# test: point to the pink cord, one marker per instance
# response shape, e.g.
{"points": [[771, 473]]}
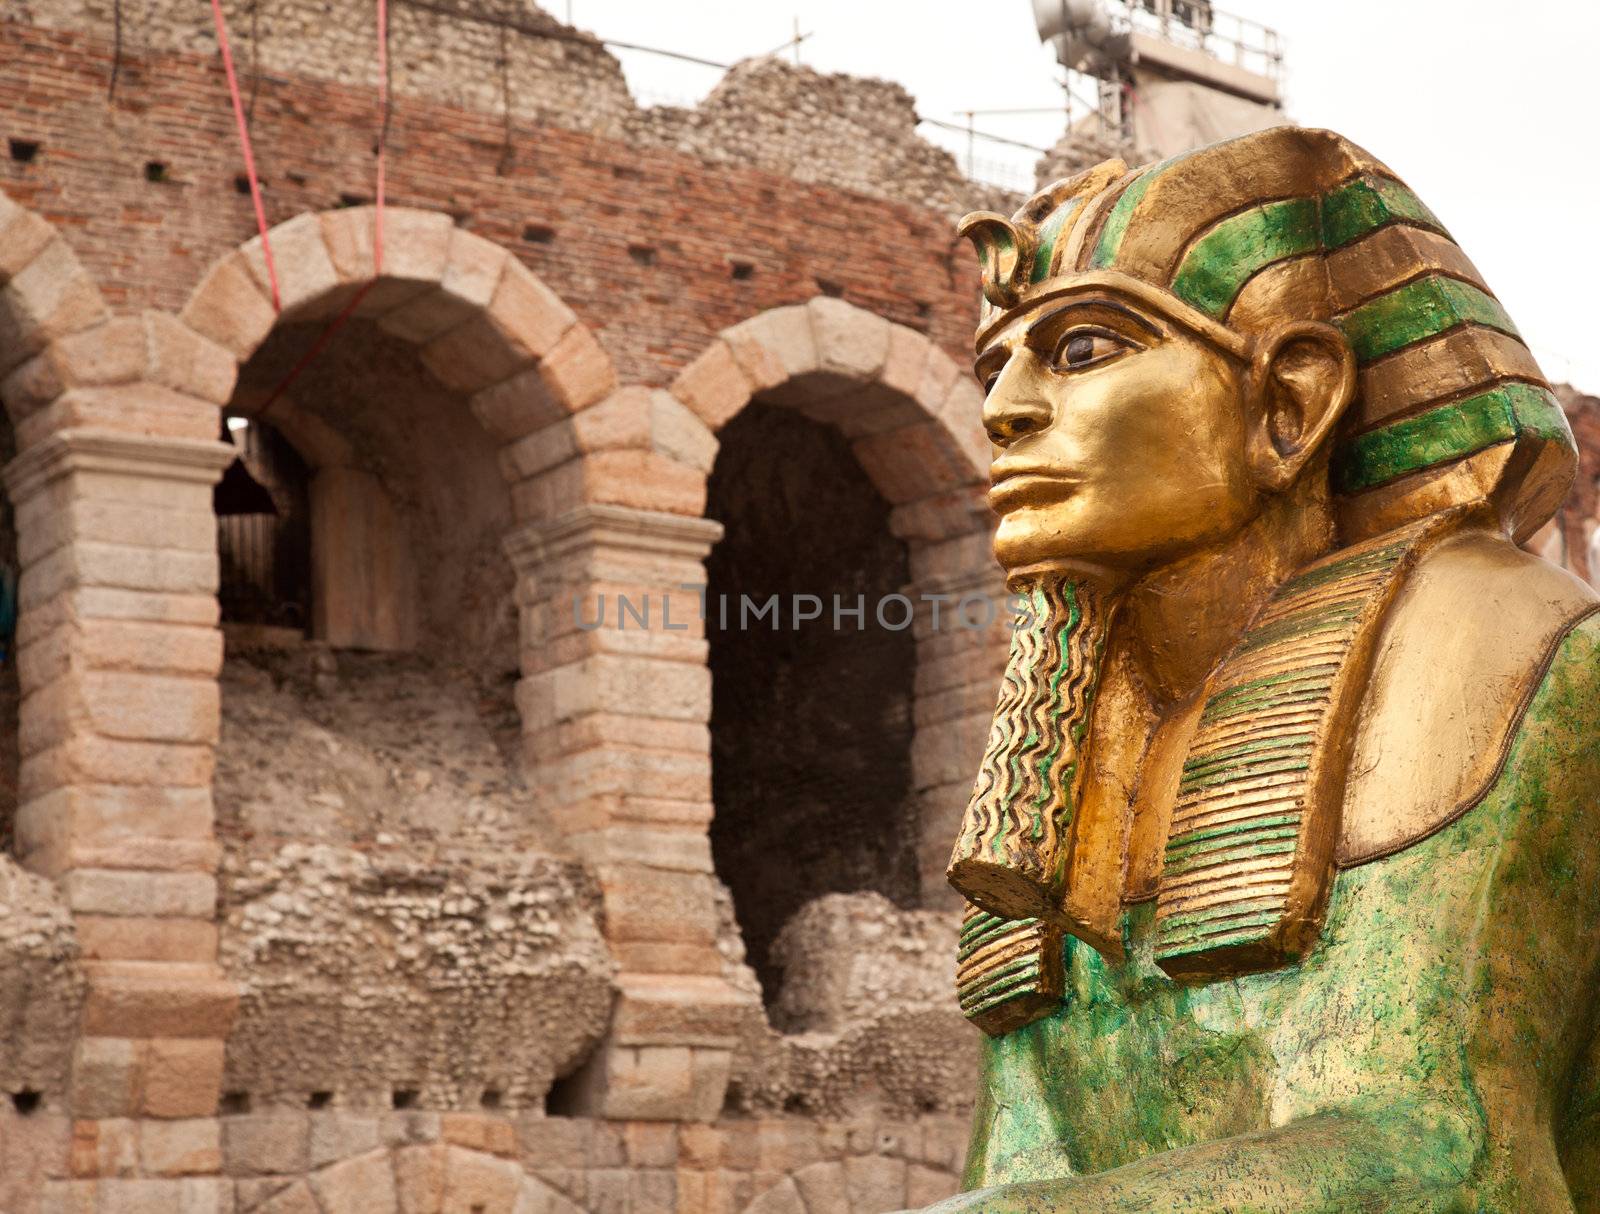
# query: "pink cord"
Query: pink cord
{"points": [[244, 142]]}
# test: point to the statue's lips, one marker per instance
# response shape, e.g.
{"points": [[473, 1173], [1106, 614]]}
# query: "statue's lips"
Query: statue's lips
{"points": [[1015, 488]]}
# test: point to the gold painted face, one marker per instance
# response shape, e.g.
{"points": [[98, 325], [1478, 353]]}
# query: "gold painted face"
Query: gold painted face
{"points": [[1120, 437]]}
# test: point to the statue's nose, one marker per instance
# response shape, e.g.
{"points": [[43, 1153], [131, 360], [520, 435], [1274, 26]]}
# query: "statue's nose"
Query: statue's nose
{"points": [[1015, 406]]}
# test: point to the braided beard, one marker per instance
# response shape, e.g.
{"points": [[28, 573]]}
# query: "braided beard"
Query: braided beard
{"points": [[1010, 858]]}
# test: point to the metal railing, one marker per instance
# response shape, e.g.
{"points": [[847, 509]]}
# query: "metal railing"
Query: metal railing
{"points": [[1197, 25]]}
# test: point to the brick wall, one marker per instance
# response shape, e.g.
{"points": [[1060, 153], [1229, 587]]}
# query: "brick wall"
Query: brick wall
{"points": [[656, 250]]}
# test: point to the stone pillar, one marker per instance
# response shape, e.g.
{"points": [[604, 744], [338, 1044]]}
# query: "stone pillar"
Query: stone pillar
{"points": [[961, 656], [616, 704], [118, 657]]}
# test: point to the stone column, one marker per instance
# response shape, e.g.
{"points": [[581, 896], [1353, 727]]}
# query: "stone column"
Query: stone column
{"points": [[962, 637], [118, 657], [616, 705]]}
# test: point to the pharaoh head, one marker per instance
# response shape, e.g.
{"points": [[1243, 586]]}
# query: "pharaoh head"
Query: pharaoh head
{"points": [[1169, 351]]}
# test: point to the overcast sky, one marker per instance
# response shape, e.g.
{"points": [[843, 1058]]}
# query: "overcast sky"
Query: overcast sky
{"points": [[1489, 111]]}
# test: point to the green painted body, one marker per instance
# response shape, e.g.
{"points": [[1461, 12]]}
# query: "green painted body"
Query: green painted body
{"points": [[1435, 1052]]}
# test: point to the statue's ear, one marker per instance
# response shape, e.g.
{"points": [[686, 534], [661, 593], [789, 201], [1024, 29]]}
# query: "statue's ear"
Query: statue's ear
{"points": [[1302, 378]]}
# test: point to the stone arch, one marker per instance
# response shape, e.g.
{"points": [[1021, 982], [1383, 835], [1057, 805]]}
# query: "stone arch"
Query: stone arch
{"points": [[862, 1184], [485, 325], [912, 424], [485, 328], [912, 419], [911, 414]]}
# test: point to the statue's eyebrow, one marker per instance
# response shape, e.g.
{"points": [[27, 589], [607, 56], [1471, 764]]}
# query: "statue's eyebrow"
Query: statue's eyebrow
{"points": [[1109, 305], [990, 362]]}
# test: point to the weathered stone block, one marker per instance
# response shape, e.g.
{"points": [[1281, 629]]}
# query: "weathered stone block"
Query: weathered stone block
{"points": [[363, 1185], [775, 346], [926, 1186], [917, 462], [656, 1009], [266, 1144], [182, 1077], [517, 406], [105, 1077], [850, 341], [876, 1182], [191, 1147], [191, 1195], [824, 1186], [110, 892], [105, 938], [300, 257], [181, 359], [339, 1133], [577, 369], [23, 236], [677, 432], [151, 707], [140, 999], [477, 1181], [715, 386], [230, 308], [51, 297]]}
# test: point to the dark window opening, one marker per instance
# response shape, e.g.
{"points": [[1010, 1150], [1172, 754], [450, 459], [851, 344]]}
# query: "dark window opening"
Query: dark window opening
{"points": [[491, 1098], [235, 1103], [830, 288], [155, 171], [404, 1098], [741, 271], [241, 184], [264, 529], [23, 150], [26, 1101], [353, 200], [319, 1100], [810, 727], [643, 254], [539, 233], [565, 1097]]}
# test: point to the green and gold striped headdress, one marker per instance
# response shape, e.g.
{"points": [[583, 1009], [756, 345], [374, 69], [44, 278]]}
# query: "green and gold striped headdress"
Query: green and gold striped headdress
{"points": [[1294, 224]]}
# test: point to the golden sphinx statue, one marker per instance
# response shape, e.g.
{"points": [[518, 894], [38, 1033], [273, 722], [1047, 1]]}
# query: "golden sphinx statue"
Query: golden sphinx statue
{"points": [[1283, 861]]}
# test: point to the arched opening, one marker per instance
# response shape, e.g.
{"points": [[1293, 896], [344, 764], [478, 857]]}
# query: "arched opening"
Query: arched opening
{"points": [[368, 604], [811, 720], [379, 845], [369, 772]]}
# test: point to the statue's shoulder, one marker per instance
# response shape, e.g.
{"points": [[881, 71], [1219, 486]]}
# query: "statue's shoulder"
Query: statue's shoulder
{"points": [[1469, 638]]}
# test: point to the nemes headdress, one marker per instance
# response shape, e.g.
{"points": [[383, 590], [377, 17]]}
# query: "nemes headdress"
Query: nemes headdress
{"points": [[1295, 224], [1452, 415]]}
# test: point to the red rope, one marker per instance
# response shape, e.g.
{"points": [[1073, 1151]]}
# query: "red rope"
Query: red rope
{"points": [[244, 142]]}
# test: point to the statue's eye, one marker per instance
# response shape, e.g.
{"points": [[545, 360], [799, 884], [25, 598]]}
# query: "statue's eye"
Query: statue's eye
{"points": [[1085, 347]]}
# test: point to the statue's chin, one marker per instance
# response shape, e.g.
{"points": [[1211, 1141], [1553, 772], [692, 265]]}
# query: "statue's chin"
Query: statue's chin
{"points": [[1032, 540]]}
